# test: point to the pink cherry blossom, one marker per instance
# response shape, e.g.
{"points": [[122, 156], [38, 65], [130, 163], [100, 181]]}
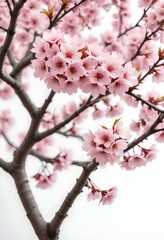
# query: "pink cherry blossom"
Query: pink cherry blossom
{"points": [[99, 75], [114, 110], [94, 88], [55, 83], [104, 137], [89, 142], [158, 75], [40, 68], [71, 24], [6, 121], [150, 153], [74, 71], [109, 196], [136, 161], [63, 160], [6, 92], [45, 181], [98, 113], [43, 145], [40, 47], [159, 136], [57, 65], [104, 145], [93, 195], [113, 65], [90, 63], [118, 147]]}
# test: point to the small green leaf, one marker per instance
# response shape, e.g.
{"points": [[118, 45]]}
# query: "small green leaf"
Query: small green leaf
{"points": [[104, 127], [116, 121]]}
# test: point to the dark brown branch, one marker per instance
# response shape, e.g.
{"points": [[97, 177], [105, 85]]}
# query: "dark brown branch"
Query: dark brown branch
{"points": [[4, 29], [46, 103], [27, 144], [150, 70], [67, 134], [53, 160], [55, 224], [26, 101], [58, 17], [146, 134], [29, 203], [11, 58], [146, 38], [4, 165], [143, 101], [25, 62], [8, 140], [158, 130], [10, 32], [9, 7], [136, 25]]}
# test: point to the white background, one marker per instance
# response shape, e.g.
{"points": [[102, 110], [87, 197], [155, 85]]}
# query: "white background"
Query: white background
{"points": [[136, 214]]}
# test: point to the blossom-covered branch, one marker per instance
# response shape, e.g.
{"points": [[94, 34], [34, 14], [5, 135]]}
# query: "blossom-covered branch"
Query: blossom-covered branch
{"points": [[146, 134], [143, 101]]}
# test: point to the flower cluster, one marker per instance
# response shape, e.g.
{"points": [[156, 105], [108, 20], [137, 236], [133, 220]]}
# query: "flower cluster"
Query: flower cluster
{"points": [[104, 196], [146, 155], [147, 115], [66, 64], [63, 160], [44, 180], [155, 16], [106, 145]]}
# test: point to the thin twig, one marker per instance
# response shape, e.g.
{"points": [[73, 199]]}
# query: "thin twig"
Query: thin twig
{"points": [[10, 32], [146, 38], [143, 101], [9, 7], [67, 134], [59, 17], [8, 140], [53, 160]]}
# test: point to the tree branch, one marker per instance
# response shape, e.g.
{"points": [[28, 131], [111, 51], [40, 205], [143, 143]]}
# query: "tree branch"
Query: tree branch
{"points": [[58, 17], [146, 38], [26, 101], [53, 160], [4, 165], [137, 24], [10, 32], [146, 134], [46, 103], [67, 134], [29, 203], [143, 101], [22, 65], [54, 225]]}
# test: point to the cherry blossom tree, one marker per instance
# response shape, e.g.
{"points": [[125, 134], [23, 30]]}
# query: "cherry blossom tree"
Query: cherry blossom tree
{"points": [[103, 75]]}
